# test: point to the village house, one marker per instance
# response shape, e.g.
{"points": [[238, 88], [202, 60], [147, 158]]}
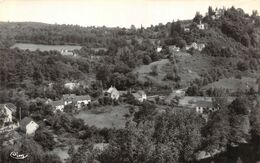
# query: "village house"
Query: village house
{"points": [[71, 85], [57, 105], [202, 105], [67, 52], [68, 98], [159, 49], [77, 101], [196, 46], [81, 101], [186, 29], [113, 93], [9, 109], [28, 126], [202, 26], [140, 96], [100, 147], [174, 48]]}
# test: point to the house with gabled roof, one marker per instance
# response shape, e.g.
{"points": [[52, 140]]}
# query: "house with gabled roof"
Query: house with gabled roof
{"points": [[28, 126], [113, 93], [57, 105], [81, 101], [140, 95], [9, 109], [68, 98]]}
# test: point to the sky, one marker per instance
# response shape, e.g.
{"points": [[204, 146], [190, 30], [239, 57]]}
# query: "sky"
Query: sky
{"points": [[112, 13]]}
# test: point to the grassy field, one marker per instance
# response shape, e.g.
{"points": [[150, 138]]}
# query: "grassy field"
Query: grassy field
{"points": [[145, 70], [233, 84], [34, 47], [105, 116], [191, 66]]}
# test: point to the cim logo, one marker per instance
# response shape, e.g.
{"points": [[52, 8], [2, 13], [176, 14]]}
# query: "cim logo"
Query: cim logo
{"points": [[17, 156]]}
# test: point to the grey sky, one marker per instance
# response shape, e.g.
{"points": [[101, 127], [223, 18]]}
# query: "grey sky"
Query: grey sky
{"points": [[112, 13]]}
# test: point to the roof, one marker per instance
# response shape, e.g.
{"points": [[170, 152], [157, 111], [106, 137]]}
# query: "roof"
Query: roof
{"points": [[80, 98], [112, 90], [194, 101], [10, 106], [204, 104], [57, 103], [139, 94], [25, 121], [68, 96]]}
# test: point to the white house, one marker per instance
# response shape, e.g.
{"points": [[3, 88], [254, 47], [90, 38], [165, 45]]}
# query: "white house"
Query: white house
{"points": [[71, 85], [57, 105], [68, 98], [67, 52], [100, 146], [174, 48], [159, 49], [201, 26], [113, 93], [81, 101], [9, 110], [28, 126], [140, 96], [186, 29], [195, 46]]}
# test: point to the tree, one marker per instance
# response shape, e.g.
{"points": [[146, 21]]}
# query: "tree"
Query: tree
{"points": [[147, 59], [217, 130], [154, 69], [44, 138], [103, 74], [198, 17], [211, 12], [3, 115]]}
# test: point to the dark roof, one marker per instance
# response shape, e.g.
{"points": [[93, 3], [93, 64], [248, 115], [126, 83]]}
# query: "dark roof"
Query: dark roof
{"points": [[11, 106], [57, 103], [25, 121], [204, 104], [80, 98], [138, 94], [68, 97]]}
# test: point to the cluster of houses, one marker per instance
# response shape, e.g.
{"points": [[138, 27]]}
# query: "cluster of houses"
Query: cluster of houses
{"points": [[196, 46], [69, 99], [10, 124]]}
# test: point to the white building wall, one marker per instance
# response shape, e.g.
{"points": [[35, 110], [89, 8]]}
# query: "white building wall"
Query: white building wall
{"points": [[9, 115], [31, 128]]}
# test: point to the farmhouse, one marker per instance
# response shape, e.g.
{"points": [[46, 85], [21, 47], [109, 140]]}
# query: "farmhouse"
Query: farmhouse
{"points": [[100, 146], [196, 46], [186, 29], [159, 49], [113, 93], [202, 26], [68, 98], [28, 126], [71, 85], [9, 109], [140, 96], [67, 52], [81, 101], [57, 105], [174, 48]]}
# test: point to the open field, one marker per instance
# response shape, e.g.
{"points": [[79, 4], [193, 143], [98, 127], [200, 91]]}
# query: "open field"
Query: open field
{"points": [[233, 84], [190, 67], [145, 70], [41, 47], [105, 117]]}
